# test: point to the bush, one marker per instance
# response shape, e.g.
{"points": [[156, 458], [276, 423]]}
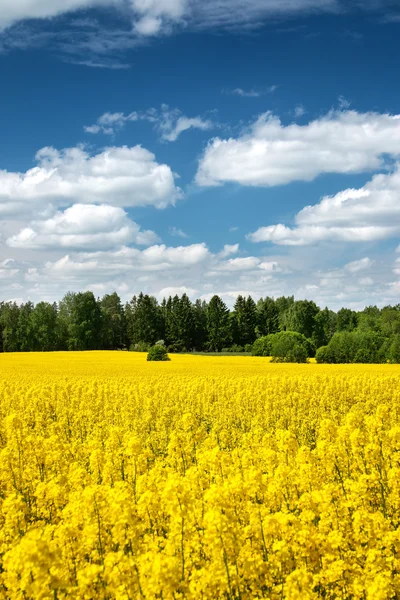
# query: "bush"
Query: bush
{"points": [[393, 354], [248, 348], [355, 347], [262, 346], [158, 353], [290, 346], [324, 355]]}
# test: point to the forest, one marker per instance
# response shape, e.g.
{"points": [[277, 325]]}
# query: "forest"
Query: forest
{"points": [[80, 321]]}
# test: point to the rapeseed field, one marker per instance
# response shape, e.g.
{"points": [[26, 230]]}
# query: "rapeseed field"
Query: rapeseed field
{"points": [[201, 478]]}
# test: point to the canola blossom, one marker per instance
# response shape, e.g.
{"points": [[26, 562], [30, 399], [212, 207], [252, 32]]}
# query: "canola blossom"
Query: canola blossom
{"points": [[201, 478]]}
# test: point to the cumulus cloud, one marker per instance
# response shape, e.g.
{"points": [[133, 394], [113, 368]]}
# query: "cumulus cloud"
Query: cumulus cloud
{"points": [[155, 259], [168, 122], [83, 226], [228, 250], [354, 215], [271, 153], [120, 176]]}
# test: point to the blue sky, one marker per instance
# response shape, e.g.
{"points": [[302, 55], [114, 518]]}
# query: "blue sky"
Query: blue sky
{"points": [[178, 146]]}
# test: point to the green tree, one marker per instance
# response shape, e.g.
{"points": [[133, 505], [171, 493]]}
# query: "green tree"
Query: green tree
{"points": [[144, 319], [9, 317], [218, 324], [179, 323], [113, 326], [390, 321], [80, 318], [200, 324], [324, 327], [283, 304], [346, 320], [300, 317], [244, 321], [369, 319], [44, 326], [25, 330], [267, 316]]}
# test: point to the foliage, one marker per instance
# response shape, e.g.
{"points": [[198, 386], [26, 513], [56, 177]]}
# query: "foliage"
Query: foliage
{"points": [[139, 347], [263, 346], [218, 328], [357, 346], [82, 322], [292, 347], [235, 348], [220, 478], [158, 353]]}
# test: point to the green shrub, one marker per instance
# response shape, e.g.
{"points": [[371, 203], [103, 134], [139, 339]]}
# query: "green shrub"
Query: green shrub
{"points": [[158, 353], [236, 348], [393, 354], [324, 355], [262, 346], [248, 348], [355, 347], [290, 346]]}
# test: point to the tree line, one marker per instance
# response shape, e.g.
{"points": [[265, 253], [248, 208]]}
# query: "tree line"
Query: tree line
{"points": [[80, 321]]}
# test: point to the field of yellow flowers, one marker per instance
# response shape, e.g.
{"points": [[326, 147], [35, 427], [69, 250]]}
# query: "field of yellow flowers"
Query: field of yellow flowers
{"points": [[201, 478]]}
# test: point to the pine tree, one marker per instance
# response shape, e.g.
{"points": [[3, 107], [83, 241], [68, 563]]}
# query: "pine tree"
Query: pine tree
{"points": [[113, 324], [218, 326]]}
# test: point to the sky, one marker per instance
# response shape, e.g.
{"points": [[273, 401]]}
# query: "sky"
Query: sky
{"points": [[201, 147]]}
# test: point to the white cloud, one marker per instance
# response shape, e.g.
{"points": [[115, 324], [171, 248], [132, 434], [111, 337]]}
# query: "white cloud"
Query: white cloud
{"points": [[83, 226], [155, 265], [253, 93], [239, 264], [299, 111], [119, 176], [359, 265], [172, 130], [169, 122], [11, 12], [366, 281], [109, 123], [177, 291], [246, 93], [228, 250], [152, 17], [176, 232], [353, 215], [271, 153], [270, 266]]}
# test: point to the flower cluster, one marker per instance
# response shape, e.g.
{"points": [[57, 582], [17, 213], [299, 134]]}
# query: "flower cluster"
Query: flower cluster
{"points": [[202, 478]]}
